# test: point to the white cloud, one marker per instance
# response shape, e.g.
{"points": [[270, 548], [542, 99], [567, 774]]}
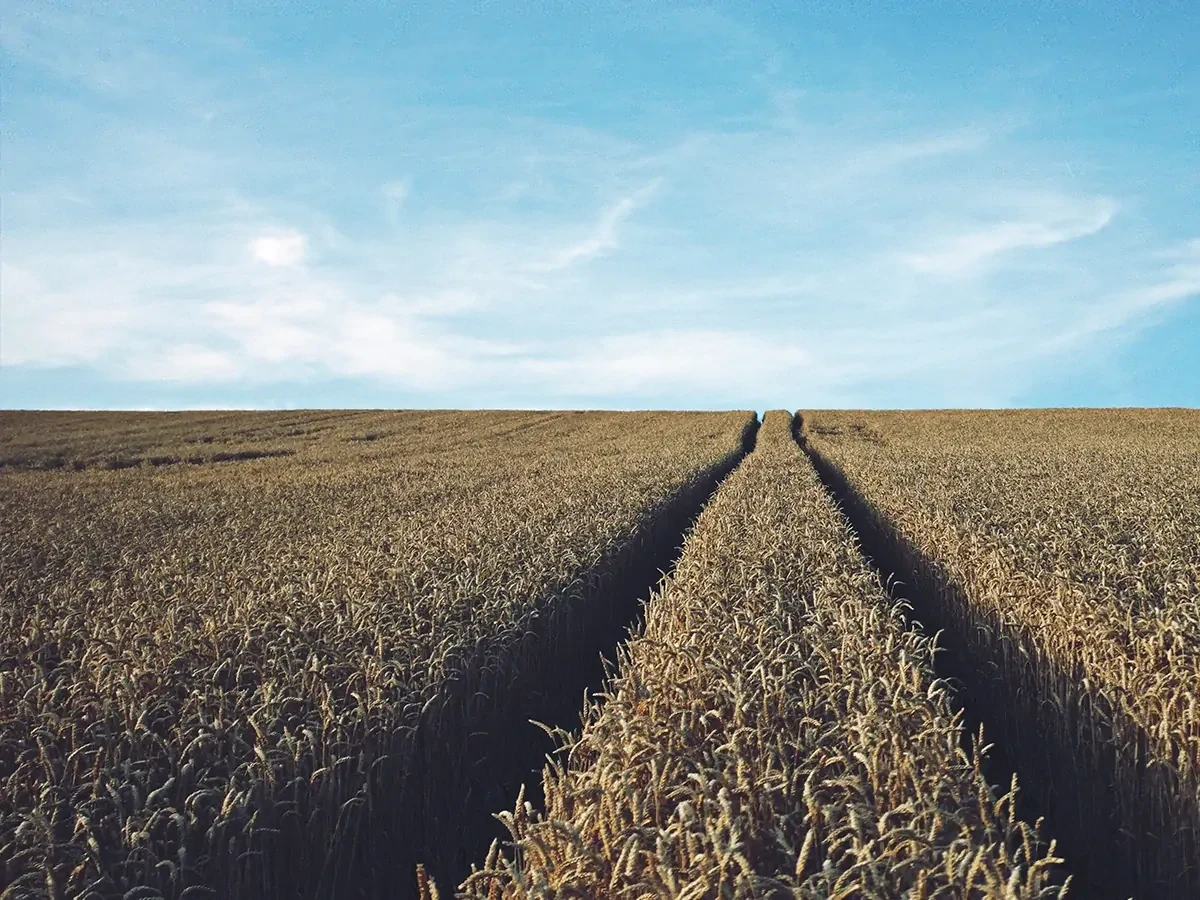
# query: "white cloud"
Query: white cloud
{"points": [[374, 344], [187, 363], [787, 251], [452, 311], [969, 252], [59, 313], [604, 234], [315, 327], [271, 331], [281, 250], [1179, 281], [718, 363]]}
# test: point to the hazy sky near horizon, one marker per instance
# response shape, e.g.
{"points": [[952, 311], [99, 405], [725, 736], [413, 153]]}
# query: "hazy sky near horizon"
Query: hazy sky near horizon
{"points": [[599, 204]]}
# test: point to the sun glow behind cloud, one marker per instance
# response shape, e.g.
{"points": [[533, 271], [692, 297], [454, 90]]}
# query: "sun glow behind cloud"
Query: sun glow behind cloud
{"points": [[280, 250], [800, 239]]}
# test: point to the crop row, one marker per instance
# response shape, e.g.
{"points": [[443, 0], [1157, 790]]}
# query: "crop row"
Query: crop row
{"points": [[296, 676], [1061, 552], [775, 731], [112, 440]]}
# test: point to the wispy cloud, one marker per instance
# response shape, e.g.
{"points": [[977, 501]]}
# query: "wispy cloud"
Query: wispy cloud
{"points": [[969, 252], [794, 246], [395, 192], [316, 328], [604, 235], [188, 363], [718, 364], [1176, 282]]}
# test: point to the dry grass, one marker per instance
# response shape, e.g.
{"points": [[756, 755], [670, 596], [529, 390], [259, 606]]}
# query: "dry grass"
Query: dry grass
{"points": [[265, 678], [775, 732], [1062, 550]]}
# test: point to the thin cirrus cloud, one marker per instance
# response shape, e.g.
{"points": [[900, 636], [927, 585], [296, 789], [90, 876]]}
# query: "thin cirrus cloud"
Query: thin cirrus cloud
{"points": [[803, 243], [603, 236], [290, 313], [970, 252], [394, 194]]}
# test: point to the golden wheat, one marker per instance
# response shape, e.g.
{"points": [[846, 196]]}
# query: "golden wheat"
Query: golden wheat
{"points": [[1062, 551], [253, 676], [776, 731]]}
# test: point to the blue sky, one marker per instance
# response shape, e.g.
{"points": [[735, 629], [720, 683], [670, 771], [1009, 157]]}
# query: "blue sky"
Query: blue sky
{"points": [[600, 205]]}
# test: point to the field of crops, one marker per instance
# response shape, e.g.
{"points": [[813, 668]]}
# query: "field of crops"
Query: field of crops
{"points": [[294, 673], [776, 731], [296, 654], [1060, 550]]}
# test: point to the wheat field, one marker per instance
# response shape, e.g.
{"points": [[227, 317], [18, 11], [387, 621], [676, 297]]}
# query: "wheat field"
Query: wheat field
{"points": [[1062, 550], [266, 673], [401, 654], [774, 731]]}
